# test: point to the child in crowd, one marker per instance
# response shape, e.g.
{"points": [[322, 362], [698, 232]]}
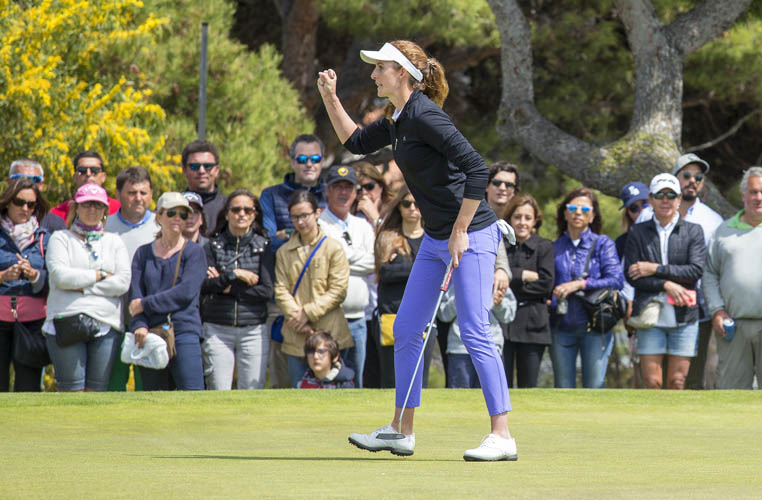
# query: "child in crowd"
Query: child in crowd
{"points": [[461, 373], [326, 369]]}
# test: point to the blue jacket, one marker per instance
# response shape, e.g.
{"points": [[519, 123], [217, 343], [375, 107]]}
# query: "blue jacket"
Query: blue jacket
{"points": [[36, 257], [274, 203], [605, 271]]}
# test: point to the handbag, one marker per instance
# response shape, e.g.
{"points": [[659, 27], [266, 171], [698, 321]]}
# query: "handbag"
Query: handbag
{"points": [[29, 347], [167, 330], [387, 329], [276, 329], [152, 355], [604, 306], [648, 316], [71, 330]]}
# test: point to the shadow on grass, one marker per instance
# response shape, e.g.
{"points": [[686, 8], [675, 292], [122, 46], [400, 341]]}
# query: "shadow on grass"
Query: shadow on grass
{"points": [[304, 459]]}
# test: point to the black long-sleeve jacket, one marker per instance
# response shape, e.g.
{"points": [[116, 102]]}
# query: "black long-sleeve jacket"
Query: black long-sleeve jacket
{"points": [[243, 305], [686, 253], [439, 165]]}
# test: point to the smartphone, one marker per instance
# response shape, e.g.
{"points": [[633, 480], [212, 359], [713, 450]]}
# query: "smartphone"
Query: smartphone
{"points": [[691, 298]]}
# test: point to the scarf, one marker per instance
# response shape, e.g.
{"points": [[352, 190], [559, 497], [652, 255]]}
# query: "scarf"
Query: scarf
{"points": [[91, 233], [21, 234]]}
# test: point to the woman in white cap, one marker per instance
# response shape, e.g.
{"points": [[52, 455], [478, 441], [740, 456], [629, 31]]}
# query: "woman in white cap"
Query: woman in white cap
{"points": [[89, 271], [448, 179], [166, 283], [664, 259]]}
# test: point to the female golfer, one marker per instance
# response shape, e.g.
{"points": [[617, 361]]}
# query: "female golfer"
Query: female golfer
{"points": [[447, 178]]}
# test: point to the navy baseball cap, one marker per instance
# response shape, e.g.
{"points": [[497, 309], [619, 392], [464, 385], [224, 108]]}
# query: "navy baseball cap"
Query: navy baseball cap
{"points": [[339, 173], [633, 192]]}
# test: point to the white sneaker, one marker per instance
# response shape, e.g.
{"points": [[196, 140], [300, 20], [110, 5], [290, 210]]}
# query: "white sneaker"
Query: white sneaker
{"points": [[402, 447], [493, 448]]}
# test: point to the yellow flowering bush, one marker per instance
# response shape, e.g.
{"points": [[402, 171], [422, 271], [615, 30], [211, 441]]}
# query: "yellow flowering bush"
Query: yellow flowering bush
{"points": [[56, 99]]}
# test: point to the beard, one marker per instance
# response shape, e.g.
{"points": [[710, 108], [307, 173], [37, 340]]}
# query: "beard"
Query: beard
{"points": [[689, 197]]}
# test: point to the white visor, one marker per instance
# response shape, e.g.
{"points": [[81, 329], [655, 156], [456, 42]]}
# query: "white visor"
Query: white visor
{"points": [[391, 53]]}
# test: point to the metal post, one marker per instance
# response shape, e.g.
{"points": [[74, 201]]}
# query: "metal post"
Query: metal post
{"points": [[202, 83]]}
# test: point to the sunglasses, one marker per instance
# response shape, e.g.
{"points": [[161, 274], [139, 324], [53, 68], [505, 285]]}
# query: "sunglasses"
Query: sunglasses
{"points": [[35, 178], [197, 166], [301, 217], [688, 175], [89, 170], [368, 186], [303, 159], [246, 210], [319, 352], [637, 207], [20, 203], [497, 183], [92, 204], [347, 238], [172, 212], [407, 203], [574, 208], [670, 195]]}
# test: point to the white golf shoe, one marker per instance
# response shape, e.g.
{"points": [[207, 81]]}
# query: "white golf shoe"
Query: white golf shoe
{"points": [[492, 449], [371, 442]]}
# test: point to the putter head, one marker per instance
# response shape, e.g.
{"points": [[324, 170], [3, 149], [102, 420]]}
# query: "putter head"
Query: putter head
{"points": [[507, 231], [390, 435]]}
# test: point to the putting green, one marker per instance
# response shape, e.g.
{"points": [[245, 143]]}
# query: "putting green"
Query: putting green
{"points": [[293, 444]]}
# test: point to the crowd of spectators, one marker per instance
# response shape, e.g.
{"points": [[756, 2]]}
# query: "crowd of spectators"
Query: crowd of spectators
{"points": [[304, 281]]}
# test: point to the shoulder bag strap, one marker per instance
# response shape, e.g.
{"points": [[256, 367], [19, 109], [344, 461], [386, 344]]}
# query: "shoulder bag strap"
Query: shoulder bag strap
{"points": [[177, 271], [306, 264], [586, 272]]}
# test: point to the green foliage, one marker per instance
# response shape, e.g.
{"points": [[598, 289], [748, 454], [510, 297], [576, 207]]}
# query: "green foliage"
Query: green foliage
{"points": [[252, 112], [452, 22]]}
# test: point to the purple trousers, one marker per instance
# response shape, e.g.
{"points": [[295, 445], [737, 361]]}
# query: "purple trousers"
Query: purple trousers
{"points": [[472, 283]]}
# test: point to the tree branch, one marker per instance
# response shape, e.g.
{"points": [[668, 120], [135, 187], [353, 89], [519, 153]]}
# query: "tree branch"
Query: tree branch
{"points": [[717, 140], [703, 23]]}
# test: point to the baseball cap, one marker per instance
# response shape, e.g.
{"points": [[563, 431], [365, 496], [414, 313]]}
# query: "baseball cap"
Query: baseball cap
{"points": [[172, 199], [194, 198], [340, 173], [91, 192], [664, 181], [633, 192], [687, 159], [391, 53]]}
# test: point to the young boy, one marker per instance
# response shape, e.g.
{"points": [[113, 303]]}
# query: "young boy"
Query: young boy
{"points": [[326, 370]]}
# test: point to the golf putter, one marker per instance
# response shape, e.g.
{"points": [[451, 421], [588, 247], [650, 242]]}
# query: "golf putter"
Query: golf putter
{"points": [[442, 289]]}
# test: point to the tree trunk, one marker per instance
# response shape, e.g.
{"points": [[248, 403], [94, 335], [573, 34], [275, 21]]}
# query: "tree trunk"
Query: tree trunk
{"points": [[652, 143], [299, 45]]}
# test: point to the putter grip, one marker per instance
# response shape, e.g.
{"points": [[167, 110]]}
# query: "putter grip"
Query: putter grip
{"points": [[447, 277]]}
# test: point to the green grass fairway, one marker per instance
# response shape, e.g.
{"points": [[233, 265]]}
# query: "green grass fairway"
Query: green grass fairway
{"points": [[293, 444]]}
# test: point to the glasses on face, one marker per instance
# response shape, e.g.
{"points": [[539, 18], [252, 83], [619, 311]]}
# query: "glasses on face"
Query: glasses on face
{"points": [[497, 183], [197, 166], [92, 204], [35, 178], [303, 159], [20, 203], [301, 217], [688, 175], [173, 212], [246, 210], [637, 207], [670, 195], [88, 171], [574, 208], [317, 352], [407, 203], [368, 186]]}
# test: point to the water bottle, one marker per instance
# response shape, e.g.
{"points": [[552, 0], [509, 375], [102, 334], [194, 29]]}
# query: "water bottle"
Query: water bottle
{"points": [[730, 328], [562, 306]]}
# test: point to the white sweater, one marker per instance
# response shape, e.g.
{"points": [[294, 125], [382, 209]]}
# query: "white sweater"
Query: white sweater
{"points": [[71, 271], [359, 254]]}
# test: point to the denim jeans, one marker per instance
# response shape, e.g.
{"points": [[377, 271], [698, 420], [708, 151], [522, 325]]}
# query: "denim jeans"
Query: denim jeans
{"points": [[296, 368], [186, 368], [226, 347], [594, 348], [461, 373], [84, 365], [356, 355]]}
